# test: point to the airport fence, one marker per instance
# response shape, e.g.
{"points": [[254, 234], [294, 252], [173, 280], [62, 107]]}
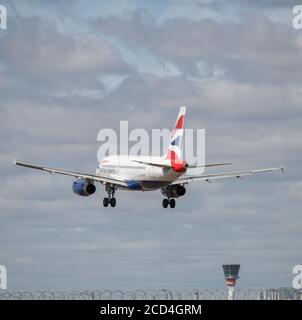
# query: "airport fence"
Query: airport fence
{"points": [[162, 294]]}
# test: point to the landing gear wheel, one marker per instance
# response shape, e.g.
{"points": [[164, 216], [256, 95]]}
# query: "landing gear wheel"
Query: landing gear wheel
{"points": [[113, 202], [106, 202], [165, 203], [172, 203], [110, 199]]}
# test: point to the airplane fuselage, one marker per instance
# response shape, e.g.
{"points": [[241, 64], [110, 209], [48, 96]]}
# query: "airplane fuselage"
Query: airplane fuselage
{"points": [[139, 176]]}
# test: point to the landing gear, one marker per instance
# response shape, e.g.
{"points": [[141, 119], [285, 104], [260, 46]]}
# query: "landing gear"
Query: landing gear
{"points": [[110, 199], [113, 202], [170, 202], [165, 203], [106, 202]]}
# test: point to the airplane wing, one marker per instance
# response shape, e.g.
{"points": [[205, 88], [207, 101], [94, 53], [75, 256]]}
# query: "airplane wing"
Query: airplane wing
{"points": [[211, 177], [86, 176]]}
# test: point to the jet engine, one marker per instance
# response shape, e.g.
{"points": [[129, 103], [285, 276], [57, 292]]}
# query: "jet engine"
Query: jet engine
{"points": [[83, 188], [173, 191]]}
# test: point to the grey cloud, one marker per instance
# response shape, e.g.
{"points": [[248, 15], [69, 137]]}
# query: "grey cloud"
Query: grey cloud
{"points": [[259, 4], [34, 50], [252, 50]]}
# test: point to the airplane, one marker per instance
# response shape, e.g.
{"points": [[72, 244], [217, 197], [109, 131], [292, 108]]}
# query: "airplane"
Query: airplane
{"points": [[145, 173]]}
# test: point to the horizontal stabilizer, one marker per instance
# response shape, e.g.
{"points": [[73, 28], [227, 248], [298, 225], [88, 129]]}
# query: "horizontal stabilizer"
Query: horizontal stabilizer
{"points": [[153, 164], [162, 165], [209, 165]]}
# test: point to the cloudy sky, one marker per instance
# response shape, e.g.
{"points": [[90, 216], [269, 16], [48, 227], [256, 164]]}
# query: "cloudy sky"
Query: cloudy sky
{"points": [[71, 68]]}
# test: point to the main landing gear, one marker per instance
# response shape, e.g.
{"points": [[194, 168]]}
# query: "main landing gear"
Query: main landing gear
{"points": [[170, 202], [110, 199]]}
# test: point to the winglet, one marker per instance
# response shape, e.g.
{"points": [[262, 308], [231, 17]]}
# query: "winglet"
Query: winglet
{"points": [[15, 161], [282, 169]]}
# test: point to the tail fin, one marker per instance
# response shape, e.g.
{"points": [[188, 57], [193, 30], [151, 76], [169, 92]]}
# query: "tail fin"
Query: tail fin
{"points": [[175, 149]]}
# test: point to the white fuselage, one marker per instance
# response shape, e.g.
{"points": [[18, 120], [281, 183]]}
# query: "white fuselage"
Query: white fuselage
{"points": [[139, 176]]}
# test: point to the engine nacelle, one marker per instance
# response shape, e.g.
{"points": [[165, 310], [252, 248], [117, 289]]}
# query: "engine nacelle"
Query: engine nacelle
{"points": [[174, 191], [83, 188]]}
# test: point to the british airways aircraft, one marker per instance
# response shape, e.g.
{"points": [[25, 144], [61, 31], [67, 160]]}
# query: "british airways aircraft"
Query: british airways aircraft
{"points": [[145, 173]]}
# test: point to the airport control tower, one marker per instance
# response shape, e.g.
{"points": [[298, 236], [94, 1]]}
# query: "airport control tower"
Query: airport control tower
{"points": [[231, 272]]}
